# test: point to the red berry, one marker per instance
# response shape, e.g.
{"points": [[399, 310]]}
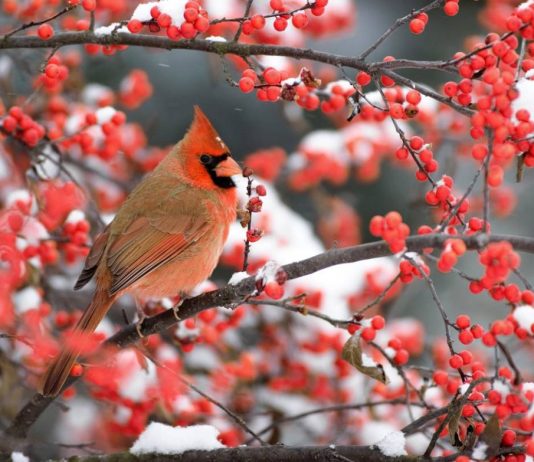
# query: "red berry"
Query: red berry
{"points": [[368, 334], [468, 410], [363, 78], [274, 290], [413, 97], [164, 20], [254, 234], [277, 5], [9, 124], [417, 26], [76, 370], [451, 8], [416, 143], [300, 20], [466, 356], [463, 321], [456, 361], [51, 70], [440, 377], [402, 153], [401, 357], [45, 31], [89, 5], [191, 14], [450, 89], [257, 21], [272, 76], [246, 84], [173, 32], [508, 438], [15, 221], [378, 322], [465, 336], [188, 30], [134, 26], [202, 24], [280, 24]]}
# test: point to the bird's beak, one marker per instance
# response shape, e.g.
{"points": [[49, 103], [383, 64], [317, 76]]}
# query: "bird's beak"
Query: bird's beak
{"points": [[228, 167]]}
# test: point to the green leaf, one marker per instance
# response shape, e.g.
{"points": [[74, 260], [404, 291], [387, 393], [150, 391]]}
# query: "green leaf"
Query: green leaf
{"points": [[352, 353]]}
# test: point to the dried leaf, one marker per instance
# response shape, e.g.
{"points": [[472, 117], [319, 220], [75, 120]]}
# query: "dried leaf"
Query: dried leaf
{"points": [[308, 79], [244, 217], [491, 436], [11, 393], [470, 438], [352, 353], [455, 413]]}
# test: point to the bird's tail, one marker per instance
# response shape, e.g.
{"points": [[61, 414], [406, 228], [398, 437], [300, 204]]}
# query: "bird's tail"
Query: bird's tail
{"points": [[58, 372]]}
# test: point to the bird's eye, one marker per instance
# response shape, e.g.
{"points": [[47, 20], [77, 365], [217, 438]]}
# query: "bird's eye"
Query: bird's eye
{"points": [[205, 159]]}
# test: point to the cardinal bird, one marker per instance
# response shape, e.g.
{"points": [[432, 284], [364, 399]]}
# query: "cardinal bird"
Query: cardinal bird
{"points": [[165, 238]]}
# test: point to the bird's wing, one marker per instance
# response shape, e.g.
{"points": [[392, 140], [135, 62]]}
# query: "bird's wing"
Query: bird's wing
{"points": [[149, 241], [93, 259]]}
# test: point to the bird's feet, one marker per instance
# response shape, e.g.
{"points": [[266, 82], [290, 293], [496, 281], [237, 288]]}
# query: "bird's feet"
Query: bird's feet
{"points": [[139, 326], [176, 308]]}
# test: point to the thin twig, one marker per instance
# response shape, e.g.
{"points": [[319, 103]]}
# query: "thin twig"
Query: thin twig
{"points": [[240, 28], [212, 400], [380, 296], [523, 279], [398, 23], [447, 219], [287, 305], [335, 408], [38, 23], [511, 362]]}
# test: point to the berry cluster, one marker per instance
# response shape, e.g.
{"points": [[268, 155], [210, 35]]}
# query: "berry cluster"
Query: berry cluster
{"points": [[418, 24], [448, 258], [408, 271], [402, 104], [135, 89], [76, 233], [391, 229], [162, 17], [54, 74], [499, 259], [23, 127]]}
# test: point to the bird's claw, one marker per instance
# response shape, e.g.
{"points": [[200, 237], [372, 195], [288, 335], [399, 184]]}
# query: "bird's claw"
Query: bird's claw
{"points": [[139, 327], [176, 308]]}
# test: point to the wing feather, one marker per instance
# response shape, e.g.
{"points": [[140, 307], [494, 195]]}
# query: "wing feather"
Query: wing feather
{"points": [[93, 259], [144, 247]]}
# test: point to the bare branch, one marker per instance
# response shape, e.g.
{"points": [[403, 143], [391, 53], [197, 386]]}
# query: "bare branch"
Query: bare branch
{"points": [[232, 294], [335, 408], [239, 49]]}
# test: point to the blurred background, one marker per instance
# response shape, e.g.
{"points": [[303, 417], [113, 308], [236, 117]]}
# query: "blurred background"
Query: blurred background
{"points": [[182, 79]]}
